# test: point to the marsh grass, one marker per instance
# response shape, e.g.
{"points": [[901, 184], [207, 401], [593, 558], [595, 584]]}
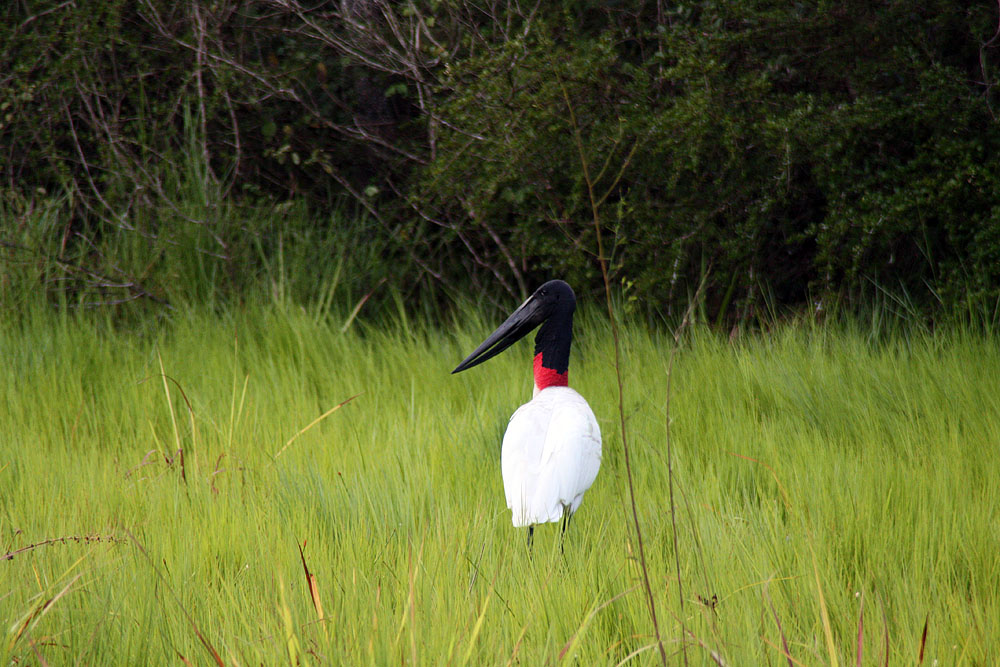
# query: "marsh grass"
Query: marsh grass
{"points": [[817, 469]]}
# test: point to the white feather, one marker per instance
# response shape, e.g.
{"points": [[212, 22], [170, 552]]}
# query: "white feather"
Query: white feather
{"points": [[550, 457]]}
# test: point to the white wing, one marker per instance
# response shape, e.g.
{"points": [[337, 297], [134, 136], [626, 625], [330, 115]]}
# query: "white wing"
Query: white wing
{"points": [[550, 457]]}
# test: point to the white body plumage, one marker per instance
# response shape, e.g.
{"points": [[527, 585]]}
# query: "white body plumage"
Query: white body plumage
{"points": [[551, 454]]}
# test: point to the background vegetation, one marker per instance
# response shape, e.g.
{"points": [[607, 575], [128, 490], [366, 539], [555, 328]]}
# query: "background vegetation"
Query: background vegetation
{"points": [[811, 154]]}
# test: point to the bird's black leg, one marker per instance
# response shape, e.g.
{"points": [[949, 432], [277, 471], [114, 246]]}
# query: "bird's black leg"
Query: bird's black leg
{"points": [[565, 524], [531, 534]]}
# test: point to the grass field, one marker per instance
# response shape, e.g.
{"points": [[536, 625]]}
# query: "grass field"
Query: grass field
{"points": [[835, 494]]}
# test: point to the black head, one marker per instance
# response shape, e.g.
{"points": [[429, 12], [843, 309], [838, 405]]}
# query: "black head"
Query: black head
{"points": [[554, 301]]}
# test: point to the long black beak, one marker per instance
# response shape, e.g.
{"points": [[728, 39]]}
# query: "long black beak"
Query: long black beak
{"points": [[521, 322]]}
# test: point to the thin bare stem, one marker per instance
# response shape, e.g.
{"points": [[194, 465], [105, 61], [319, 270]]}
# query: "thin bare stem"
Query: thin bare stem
{"points": [[594, 207], [313, 423], [670, 452], [86, 539]]}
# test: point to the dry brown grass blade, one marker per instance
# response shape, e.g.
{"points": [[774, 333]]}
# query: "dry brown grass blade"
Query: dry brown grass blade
{"points": [[314, 422], [38, 654], [517, 645], [180, 455], [923, 640], [791, 661], [170, 405], [781, 631], [313, 587], [173, 594], [215, 472], [34, 616], [885, 632], [360, 304], [146, 460]]}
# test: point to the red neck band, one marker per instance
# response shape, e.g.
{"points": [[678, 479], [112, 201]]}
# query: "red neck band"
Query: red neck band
{"points": [[548, 377]]}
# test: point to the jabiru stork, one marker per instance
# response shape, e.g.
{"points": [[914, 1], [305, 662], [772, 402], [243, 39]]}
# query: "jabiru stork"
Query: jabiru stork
{"points": [[552, 447]]}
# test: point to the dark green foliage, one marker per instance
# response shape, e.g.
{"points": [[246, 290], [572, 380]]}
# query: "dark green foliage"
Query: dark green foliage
{"points": [[815, 152], [800, 154]]}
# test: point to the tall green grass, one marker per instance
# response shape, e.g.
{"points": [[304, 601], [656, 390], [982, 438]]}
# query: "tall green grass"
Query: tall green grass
{"points": [[836, 494], [196, 249]]}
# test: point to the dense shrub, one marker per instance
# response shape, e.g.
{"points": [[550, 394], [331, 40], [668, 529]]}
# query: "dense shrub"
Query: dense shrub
{"points": [[813, 152], [798, 154]]}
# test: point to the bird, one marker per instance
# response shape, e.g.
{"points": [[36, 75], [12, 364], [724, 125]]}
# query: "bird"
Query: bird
{"points": [[551, 450]]}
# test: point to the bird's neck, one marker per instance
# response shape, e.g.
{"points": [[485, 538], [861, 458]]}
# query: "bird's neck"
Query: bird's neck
{"points": [[552, 345], [548, 377]]}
